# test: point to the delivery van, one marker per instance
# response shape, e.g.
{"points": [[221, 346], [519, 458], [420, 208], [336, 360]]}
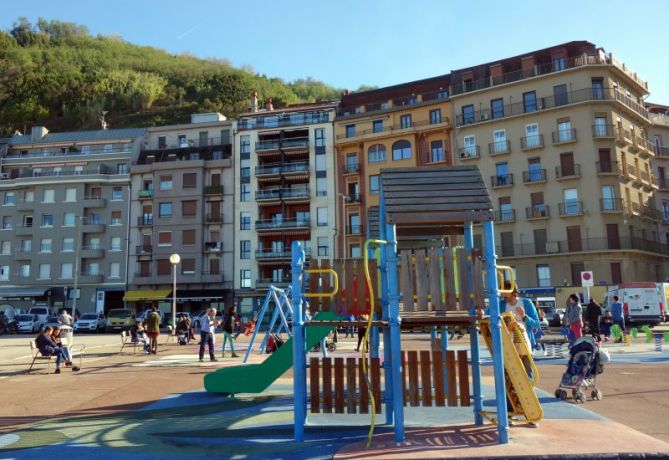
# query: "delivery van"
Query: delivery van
{"points": [[664, 294], [643, 302]]}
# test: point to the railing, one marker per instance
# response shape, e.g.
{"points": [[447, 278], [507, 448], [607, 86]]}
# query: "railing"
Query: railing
{"points": [[663, 183], [563, 172], [278, 121], [501, 180], [537, 211], [353, 229], [214, 218], [506, 215], [607, 167], [390, 128], [398, 102], [281, 194], [70, 151], [499, 147], [282, 168], [148, 193], [472, 151], [143, 221], [351, 168], [582, 245], [265, 282], [23, 174], [651, 213], [602, 131], [661, 151], [188, 143], [275, 144], [611, 204], [549, 102], [353, 198], [530, 177], [284, 223], [269, 254], [213, 189], [563, 136], [570, 208], [144, 249], [631, 170], [532, 142], [213, 246]]}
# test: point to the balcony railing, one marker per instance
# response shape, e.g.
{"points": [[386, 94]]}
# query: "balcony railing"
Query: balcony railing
{"points": [[280, 121], [31, 174], [611, 205], [569, 171], [276, 144], [353, 229], [282, 168], [282, 194], [570, 208], [143, 249], [352, 198], [564, 136], [213, 246], [505, 215], [269, 254], [214, 218], [471, 151], [185, 143], [144, 221], [147, 193], [351, 168], [582, 245], [663, 183], [538, 211], [213, 190], [384, 105], [602, 131], [501, 180], [263, 283], [535, 176], [283, 223], [607, 167], [390, 128], [499, 147], [69, 151], [532, 142]]}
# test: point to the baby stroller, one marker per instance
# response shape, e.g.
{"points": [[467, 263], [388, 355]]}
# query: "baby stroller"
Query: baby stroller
{"points": [[582, 370], [330, 343]]}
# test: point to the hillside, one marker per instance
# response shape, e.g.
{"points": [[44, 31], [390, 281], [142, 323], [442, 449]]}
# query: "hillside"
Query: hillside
{"points": [[56, 74]]}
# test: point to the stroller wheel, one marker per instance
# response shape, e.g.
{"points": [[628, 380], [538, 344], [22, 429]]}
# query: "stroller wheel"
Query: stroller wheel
{"points": [[581, 397], [558, 392], [332, 346], [596, 395], [563, 395]]}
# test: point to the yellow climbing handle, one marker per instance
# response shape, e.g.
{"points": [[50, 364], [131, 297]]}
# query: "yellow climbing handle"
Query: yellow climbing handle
{"points": [[501, 271], [335, 288]]}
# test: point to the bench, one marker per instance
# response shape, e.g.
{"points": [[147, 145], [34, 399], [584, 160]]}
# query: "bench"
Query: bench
{"points": [[37, 355], [126, 341]]}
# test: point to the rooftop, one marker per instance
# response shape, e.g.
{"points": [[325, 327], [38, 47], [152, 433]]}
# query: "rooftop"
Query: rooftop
{"points": [[77, 136]]}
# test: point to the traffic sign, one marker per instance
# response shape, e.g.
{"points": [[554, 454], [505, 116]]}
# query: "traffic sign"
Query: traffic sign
{"points": [[587, 279]]}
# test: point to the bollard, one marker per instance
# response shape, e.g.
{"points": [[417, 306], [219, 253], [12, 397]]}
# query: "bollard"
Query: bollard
{"points": [[666, 337], [634, 332], [658, 341]]}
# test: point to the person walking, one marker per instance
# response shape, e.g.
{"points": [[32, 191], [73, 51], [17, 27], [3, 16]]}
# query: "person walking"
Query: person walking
{"points": [[574, 316], [593, 314], [362, 330], [617, 315], [207, 330], [153, 329], [228, 330]]}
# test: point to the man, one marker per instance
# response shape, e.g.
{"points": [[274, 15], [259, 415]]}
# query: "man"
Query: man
{"points": [[207, 330], [617, 315], [153, 329], [65, 319], [592, 316]]}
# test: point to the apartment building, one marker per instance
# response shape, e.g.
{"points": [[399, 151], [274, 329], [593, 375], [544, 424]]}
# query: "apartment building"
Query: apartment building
{"points": [[64, 218], [182, 203], [286, 192], [659, 139], [396, 126], [561, 134]]}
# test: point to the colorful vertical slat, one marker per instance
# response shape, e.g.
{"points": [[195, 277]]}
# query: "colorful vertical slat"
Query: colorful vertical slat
{"points": [[339, 385], [351, 390], [463, 377], [314, 385], [327, 385]]}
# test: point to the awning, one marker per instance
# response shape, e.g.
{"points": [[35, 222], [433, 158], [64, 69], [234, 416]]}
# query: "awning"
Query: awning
{"points": [[134, 296], [198, 294], [22, 292]]}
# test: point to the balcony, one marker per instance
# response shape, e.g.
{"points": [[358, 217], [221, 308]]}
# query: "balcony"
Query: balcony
{"points": [[94, 202], [268, 254], [537, 176], [584, 245], [286, 194], [603, 132], [24, 230], [213, 190], [651, 213], [144, 250], [661, 152], [184, 149], [505, 216], [568, 172], [273, 121], [564, 136], [663, 184], [611, 205], [23, 254], [90, 277], [282, 169], [92, 252], [142, 275], [351, 168], [352, 230], [92, 226], [570, 208], [607, 168], [644, 147], [537, 211], [30, 175], [499, 148], [264, 283], [532, 142], [402, 127], [400, 102], [24, 205], [213, 277], [213, 246], [501, 180], [470, 152], [145, 221], [352, 198], [266, 225], [145, 194], [214, 218], [299, 143]]}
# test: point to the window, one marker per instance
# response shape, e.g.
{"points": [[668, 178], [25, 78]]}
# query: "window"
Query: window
{"points": [[66, 271], [321, 165], [164, 238], [608, 198], [320, 137], [245, 278], [29, 196], [469, 150], [245, 249], [122, 168], [70, 194], [616, 273], [502, 170], [187, 266], [576, 269], [4, 273], [164, 267], [571, 203], [322, 217], [497, 108], [544, 276], [6, 222], [9, 199], [597, 88], [355, 251], [322, 243], [190, 180], [48, 196], [245, 192], [530, 101], [117, 194], [68, 244], [26, 245], [435, 116], [436, 151], [377, 126], [374, 184], [561, 95], [116, 243], [321, 186], [69, 219], [78, 170], [188, 237], [44, 271], [165, 210], [24, 271], [401, 150], [499, 144], [468, 114], [405, 121], [6, 248], [354, 224], [351, 163], [376, 153], [116, 218], [559, 63], [245, 169], [188, 208], [350, 130], [114, 270], [108, 148], [166, 182], [505, 210], [245, 145], [47, 220], [532, 136], [564, 132], [245, 221], [600, 128], [93, 268], [45, 245], [534, 172]]}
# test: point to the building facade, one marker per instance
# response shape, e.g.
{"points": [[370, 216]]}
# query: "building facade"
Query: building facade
{"points": [[397, 126], [561, 134], [659, 139], [285, 192], [65, 218], [182, 203]]}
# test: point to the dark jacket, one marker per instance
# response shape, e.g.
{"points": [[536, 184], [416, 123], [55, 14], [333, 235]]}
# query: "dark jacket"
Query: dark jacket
{"points": [[228, 323], [593, 313], [45, 344]]}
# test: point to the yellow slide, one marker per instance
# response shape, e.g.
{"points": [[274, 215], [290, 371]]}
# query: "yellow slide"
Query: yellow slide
{"points": [[519, 388]]}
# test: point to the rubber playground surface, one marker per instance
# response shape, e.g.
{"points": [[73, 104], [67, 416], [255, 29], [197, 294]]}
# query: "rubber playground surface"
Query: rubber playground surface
{"points": [[192, 423]]}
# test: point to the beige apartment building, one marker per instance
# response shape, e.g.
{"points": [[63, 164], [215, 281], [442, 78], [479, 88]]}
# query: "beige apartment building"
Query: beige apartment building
{"points": [[562, 137], [182, 203], [659, 138]]}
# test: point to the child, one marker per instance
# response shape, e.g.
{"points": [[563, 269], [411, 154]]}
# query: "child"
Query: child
{"points": [[606, 323], [137, 335]]}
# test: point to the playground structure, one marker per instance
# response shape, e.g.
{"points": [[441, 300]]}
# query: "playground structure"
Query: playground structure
{"points": [[280, 321], [418, 284]]}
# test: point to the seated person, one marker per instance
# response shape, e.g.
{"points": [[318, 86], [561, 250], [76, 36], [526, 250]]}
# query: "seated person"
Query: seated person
{"points": [[137, 335], [47, 347]]}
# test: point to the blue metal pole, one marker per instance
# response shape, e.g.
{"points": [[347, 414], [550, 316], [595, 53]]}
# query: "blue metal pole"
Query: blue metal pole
{"points": [[259, 319], [395, 337], [299, 346], [387, 357], [474, 333], [496, 332]]}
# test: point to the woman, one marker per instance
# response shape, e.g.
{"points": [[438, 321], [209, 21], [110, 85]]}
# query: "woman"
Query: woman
{"points": [[47, 347], [574, 316], [228, 330], [153, 329]]}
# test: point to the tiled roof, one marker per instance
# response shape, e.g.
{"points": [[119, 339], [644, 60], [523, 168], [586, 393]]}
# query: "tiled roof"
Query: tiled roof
{"points": [[80, 136]]}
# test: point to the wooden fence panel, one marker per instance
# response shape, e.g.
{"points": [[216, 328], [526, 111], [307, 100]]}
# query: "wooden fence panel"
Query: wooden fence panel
{"points": [[326, 302], [374, 275], [364, 388], [376, 382], [463, 279], [412, 363], [314, 385], [422, 280], [449, 279], [477, 272], [348, 285], [407, 281], [426, 381], [438, 373], [435, 279], [361, 287], [327, 385], [463, 377], [451, 378], [351, 390], [339, 385], [405, 393]]}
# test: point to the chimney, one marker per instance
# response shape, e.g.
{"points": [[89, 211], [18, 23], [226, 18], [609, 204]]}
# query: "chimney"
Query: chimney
{"points": [[268, 104], [37, 133], [253, 107]]}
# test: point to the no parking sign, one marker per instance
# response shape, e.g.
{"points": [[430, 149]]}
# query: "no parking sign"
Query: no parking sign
{"points": [[587, 279]]}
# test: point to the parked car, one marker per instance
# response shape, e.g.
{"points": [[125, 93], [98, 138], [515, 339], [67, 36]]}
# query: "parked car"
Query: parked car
{"points": [[92, 322], [120, 319], [51, 321], [28, 323], [145, 314], [178, 314], [43, 314], [552, 314]]}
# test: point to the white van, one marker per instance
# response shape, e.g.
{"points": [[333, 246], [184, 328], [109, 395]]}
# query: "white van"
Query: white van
{"points": [[43, 313], [643, 302]]}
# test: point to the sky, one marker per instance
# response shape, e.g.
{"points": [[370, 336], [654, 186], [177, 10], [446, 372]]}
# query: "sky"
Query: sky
{"points": [[348, 43]]}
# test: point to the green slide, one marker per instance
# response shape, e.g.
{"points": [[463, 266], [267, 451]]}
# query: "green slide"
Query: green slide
{"points": [[255, 378]]}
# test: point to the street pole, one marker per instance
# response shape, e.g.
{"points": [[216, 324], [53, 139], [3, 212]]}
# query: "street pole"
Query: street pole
{"points": [[174, 259], [76, 267]]}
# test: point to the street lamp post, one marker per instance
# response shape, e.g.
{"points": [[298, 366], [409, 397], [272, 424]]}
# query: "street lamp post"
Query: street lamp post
{"points": [[174, 260], [77, 254], [344, 199]]}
